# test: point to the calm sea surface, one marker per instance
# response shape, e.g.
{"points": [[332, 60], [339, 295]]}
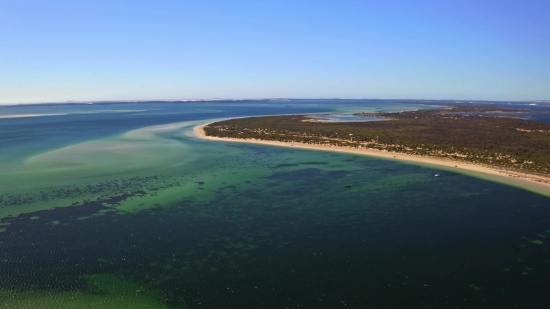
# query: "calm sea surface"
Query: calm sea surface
{"points": [[121, 206]]}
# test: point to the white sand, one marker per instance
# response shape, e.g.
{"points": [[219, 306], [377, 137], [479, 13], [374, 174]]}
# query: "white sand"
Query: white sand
{"points": [[533, 183], [28, 115]]}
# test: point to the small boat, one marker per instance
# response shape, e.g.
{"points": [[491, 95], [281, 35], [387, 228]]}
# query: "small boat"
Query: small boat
{"points": [[436, 175], [347, 185]]}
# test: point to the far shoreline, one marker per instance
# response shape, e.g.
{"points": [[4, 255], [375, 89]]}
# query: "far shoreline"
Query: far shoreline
{"points": [[533, 183]]}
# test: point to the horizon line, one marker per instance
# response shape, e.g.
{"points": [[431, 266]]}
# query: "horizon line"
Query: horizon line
{"points": [[90, 102]]}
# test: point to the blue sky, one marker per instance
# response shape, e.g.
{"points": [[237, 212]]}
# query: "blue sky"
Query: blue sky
{"points": [[61, 50]]}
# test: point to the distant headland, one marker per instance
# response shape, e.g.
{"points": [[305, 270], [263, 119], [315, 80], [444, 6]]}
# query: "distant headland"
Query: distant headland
{"points": [[491, 143]]}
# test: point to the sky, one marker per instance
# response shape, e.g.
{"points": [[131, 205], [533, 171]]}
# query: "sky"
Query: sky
{"points": [[60, 50]]}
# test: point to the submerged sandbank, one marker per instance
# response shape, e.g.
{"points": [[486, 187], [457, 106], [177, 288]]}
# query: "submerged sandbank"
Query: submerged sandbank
{"points": [[28, 115], [533, 183]]}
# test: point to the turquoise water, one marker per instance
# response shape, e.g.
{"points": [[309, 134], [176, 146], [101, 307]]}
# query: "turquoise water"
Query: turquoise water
{"points": [[128, 209]]}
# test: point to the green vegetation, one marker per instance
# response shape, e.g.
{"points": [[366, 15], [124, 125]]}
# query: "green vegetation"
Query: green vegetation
{"points": [[500, 142], [106, 291], [474, 286]]}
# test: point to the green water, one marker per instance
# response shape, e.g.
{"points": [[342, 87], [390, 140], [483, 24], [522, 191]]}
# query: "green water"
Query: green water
{"points": [[152, 217]]}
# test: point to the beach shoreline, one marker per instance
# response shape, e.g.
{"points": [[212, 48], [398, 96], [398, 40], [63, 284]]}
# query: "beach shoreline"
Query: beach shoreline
{"points": [[534, 183]]}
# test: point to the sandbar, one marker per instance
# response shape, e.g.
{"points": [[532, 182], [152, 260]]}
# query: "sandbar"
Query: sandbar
{"points": [[533, 183], [28, 115]]}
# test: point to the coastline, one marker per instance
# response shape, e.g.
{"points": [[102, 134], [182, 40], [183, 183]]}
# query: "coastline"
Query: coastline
{"points": [[533, 183]]}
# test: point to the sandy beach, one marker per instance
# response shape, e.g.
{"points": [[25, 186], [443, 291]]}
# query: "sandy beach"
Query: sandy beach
{"points": [[533, 183]]}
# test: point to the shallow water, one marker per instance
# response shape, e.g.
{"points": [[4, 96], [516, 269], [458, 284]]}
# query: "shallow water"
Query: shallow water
{"points": [[161, 219]]}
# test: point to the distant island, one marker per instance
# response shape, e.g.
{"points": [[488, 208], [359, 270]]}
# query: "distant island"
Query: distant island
{"points": [[478, 139]]}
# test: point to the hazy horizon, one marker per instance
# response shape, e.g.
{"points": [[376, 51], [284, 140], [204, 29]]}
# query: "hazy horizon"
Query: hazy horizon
{"points": [[85, 102]]}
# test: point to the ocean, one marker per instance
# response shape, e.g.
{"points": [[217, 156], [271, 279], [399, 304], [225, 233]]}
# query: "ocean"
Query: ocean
{"points": [[121, 206]]}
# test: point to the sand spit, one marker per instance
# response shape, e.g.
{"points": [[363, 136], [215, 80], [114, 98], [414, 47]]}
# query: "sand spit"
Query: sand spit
{"points": [[533, 183], [28, 115]]}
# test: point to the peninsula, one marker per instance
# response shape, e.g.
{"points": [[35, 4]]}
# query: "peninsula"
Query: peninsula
{"points": [[479, 142]]}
